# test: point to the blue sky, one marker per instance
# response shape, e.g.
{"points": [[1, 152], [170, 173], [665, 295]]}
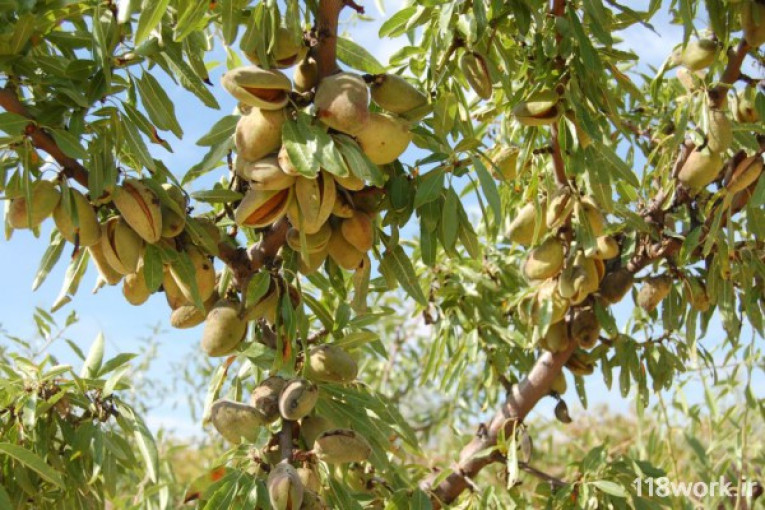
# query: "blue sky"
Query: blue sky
{"points": [[124, 325]]}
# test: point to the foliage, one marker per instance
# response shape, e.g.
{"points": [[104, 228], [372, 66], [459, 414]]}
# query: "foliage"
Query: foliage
{"points": [[547, 178], [70, 438]]}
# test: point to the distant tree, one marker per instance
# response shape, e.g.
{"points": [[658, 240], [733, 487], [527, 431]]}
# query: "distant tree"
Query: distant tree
{"points": [[590, 182]]}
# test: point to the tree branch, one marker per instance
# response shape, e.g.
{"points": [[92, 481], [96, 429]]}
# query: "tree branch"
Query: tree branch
{"points": [[519, 402], [557, 157], [42, 140], [326, 23]]}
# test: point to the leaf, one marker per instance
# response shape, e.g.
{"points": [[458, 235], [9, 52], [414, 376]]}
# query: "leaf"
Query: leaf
{"points": [[396, 24], [489, 187], [148, 449], [430, 187], [74, 273], [210, 161], [49, 259], [152, 267], [450, 219], [116, 362], [353, 55], [220, 195], [151, 14], [158, 104], [358, 162], [12, 123], [611, 488], [398, 263], [33, 462], [92, 363], [136, 147], [190, 20], [69, 143], [220, 131]]}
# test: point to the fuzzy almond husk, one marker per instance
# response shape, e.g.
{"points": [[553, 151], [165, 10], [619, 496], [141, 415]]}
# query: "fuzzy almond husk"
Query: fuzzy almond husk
{"points": [[306, 75], [297, 399], [700, 169], [315, 243], [261, 208], [504, 161], [476, 72], [653, 292], [45, 197], [265, 397], [753, 22], [525, 224], [121, 245], [393, 93], [359, 231], [384, 138], [234, 421], [697, 54], [342, 101], [540, 109], [204, 273], [134, 287], [548, 292], [172, 222], [264, 174], [746, 172], [312, 426], [559, 208], [287, 50], [266, 89], [140, 208], [313, 204], [341, 446], [88, 230], [557, 338], [585, 328], [615, 285], [544, 261], [285, 490], [223, 330], [350, 182], [587, 209], [106, 272], [342, 252], [331, 363], [259, 133]]}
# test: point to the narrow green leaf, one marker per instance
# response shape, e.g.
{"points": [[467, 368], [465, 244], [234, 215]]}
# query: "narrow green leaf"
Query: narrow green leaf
{"points": [[220, 131], [158, 104], [398, 263], [190, 19], [33, 462], [95, 356], [69, 143], [220, 195], [151, 14], [152, 267], [355, 56], [50, 258], [450, 219], [430, 187], [612, 488], [12, 123]]}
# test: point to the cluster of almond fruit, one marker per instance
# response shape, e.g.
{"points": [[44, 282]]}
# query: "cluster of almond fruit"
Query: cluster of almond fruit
{"points": [[330, 215], [136, 217], [706, 162], [293, 401], [563, 273]]}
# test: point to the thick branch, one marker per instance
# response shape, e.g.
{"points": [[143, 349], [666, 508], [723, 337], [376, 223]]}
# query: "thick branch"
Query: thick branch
{"points": [[557, 157], [520, 401], [326, 24], [42, 140]]}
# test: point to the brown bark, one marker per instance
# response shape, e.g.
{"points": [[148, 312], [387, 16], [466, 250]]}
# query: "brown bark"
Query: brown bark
{"points": [[42, 140], [520, 400]]}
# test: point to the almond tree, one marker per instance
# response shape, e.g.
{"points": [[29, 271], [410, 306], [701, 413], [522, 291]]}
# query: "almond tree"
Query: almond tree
{"points": [[291, 241]]}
